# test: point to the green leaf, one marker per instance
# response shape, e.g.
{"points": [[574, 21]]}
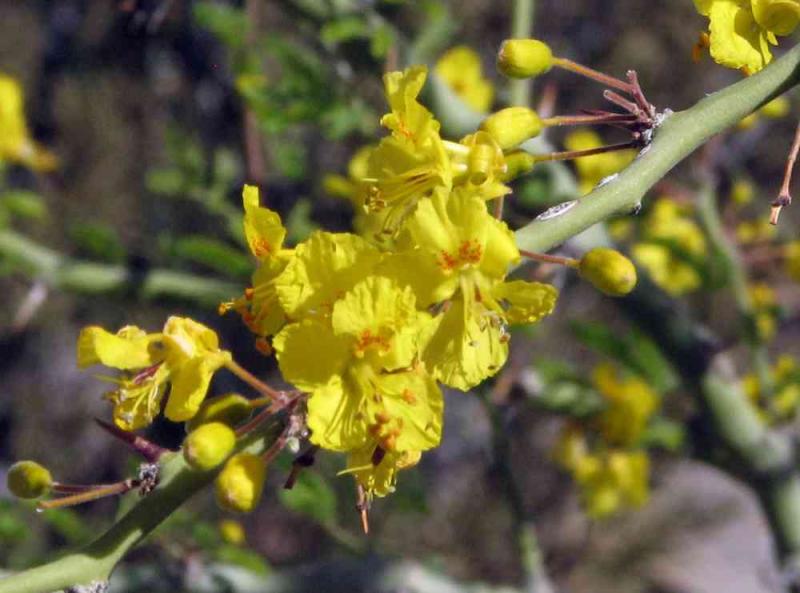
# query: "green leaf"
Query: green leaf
{"points": [[311, 496], [213, 254], [227, 23], [299, 224], [343, 29], [24, 204], [570, 398], [665, 434], [243, 557], [97, 240], [168, 181]]}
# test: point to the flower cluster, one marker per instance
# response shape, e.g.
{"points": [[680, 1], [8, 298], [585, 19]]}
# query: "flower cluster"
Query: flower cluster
{"points": [[604, 453], [740, 32], [369, 325]]}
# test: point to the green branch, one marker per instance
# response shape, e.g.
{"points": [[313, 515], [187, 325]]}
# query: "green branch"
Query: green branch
{"points": [[84, 277], [521, 28], [679, 135], [96, 562]]}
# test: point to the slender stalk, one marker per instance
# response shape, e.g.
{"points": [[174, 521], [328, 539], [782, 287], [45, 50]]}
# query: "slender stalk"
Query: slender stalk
{"points": [[522, 14], [253, 381], [569, 155], [592, 74], [550, 259]]}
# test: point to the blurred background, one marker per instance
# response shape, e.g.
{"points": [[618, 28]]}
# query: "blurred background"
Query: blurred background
{"points": [[159, 110]]}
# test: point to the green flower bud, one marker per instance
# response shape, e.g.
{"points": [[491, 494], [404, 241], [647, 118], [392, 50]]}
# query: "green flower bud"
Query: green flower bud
{"points": [[518, 163], [208, 445], [28, 479], [239, 485], [524, 58], [608, 270], [512, 126], [230, 409]]}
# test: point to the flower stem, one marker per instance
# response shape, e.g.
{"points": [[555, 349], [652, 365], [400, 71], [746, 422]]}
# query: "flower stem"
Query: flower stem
{"points": [[253, 381], [550, 259], [593, 74], [569, 155], [785, 197]]}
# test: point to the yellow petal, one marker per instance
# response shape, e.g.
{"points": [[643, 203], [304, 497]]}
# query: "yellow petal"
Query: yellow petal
{"points": [[334, 417], [129, 348], [529, 301], [190, 385], [736, 39], [262, 226], [310, 355]]}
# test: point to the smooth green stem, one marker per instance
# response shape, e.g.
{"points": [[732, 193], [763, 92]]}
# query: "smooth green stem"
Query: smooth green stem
{"points": [[679, 136], [96, 562], [83, 277], [521, 28]]}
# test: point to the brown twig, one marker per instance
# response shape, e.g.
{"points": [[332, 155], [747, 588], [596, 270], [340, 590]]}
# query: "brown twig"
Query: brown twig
{"points": [[784, 197]]}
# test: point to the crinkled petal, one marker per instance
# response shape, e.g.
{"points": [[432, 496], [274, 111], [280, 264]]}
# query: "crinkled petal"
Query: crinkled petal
{"points": [[129, 348], [310, 355], [262, 227]]}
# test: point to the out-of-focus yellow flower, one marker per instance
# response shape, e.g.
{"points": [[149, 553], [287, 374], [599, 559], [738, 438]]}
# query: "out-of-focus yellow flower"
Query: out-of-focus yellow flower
{"points": [[610, 480], [783, 403], [755, 231], [631, 403], [232, 532], [184, 355], [593, 169], [791, 260], [777, 108], [670, 243], [741, 31], [460, 67], [16, 145], [742, 192], [765, 306]]}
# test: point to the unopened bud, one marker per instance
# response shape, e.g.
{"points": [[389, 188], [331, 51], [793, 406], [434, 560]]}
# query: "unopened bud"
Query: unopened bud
{"points": [[512, 126], [208, 445], [609, 271], [28, 479], [238, 486], [230, 409], [232, 532], [518, 163], [524, 58]]}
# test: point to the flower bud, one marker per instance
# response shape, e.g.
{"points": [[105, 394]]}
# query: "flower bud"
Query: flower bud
{"points": [[230, 409], [511, 126], [239, 484], [780, 17], [518, 163], [232, 532], [28, 479], [208, 445], [524, 58], [608, 270]]}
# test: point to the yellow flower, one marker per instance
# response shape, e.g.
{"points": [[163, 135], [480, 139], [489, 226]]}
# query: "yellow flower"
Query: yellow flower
{"points": [[593, 169], [232, 532], [670, 246], [742, 192], [754, 231], [630, 404], [323, 268], [460, 67], [741, 31], [16, 144], [765, 307], [455, 256], [359, 366], [185, 354], [259, 307]]}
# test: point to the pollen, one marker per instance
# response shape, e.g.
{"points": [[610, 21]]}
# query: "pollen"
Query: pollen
{"points": [[261, 247], [409, 397]]}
